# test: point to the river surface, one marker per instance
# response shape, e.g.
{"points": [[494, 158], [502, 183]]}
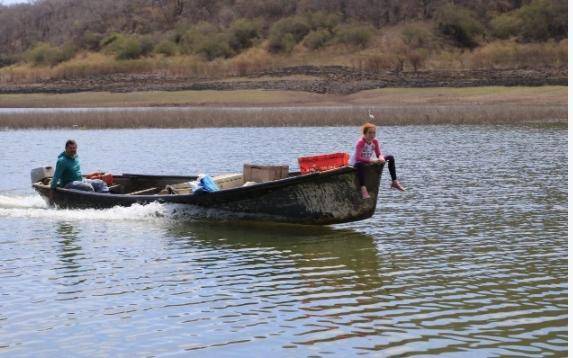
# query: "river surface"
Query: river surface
{"points": [[470, 261]]}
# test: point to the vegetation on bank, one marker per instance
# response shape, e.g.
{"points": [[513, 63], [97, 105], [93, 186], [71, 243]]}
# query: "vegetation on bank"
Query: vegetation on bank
{"points": [[277, 117], [392, 106], [193, 38]]}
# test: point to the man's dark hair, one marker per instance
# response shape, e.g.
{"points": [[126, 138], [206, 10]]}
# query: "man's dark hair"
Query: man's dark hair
{"points": [[70, 142]]}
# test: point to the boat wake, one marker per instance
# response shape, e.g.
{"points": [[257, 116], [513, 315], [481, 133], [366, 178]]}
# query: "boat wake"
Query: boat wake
{"points": [[33, 206], [22, 202]]}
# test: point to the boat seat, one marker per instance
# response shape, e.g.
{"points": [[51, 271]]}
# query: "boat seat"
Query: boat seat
{"points": [[224, 181], [145, 191], [228, 181]]}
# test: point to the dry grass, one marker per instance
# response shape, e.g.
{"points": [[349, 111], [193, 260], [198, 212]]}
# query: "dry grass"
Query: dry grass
{"points": [[508, 54], [87, 64]]}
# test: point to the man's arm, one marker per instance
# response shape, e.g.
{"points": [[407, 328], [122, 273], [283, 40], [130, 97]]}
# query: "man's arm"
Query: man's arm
{"points": [[57, 175]]}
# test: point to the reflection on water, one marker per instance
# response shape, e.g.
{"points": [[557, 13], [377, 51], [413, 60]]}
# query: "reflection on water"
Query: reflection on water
{"points": [[471, 260], [277, 279], [70, 256], [304, 247]]}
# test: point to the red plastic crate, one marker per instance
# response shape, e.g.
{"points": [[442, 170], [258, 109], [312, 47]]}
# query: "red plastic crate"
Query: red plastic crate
{"points": [[318, 163]]}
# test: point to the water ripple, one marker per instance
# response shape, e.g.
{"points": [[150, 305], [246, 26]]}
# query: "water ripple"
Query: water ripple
{"points": [[471, 260]]}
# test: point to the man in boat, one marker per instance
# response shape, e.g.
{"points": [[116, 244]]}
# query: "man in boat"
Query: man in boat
{"points": [[68, 174]]}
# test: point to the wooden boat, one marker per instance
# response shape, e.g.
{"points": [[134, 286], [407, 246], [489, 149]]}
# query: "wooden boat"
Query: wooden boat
{"points": [[320, 198]]}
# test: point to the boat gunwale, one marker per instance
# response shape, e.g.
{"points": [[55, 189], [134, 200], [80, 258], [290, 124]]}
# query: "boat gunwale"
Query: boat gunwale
{"points": [[285, 182]]}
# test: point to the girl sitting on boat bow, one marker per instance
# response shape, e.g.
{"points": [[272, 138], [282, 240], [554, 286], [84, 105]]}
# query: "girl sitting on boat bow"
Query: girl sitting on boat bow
{"points": [[365, 147]]}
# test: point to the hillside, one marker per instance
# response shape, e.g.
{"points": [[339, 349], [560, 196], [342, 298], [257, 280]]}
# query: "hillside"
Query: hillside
{"points": [[77, 44]]}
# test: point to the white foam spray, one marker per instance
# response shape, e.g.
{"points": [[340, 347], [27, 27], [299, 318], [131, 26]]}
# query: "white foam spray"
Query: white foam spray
{"points": [[33, 206], [22, 202]]}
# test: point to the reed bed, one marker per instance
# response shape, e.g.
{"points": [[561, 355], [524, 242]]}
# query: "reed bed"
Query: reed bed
{"points": [[282, 116]]}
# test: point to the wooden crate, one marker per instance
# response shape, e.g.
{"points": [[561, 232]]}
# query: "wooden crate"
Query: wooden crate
{"points": [[264, 173]]}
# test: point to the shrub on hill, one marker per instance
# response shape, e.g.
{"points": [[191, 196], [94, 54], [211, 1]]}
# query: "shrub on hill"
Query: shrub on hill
{"points": [[354, 35], [45, 54], [505, 26], [125, 47], [191, 38], [317, 39], [213, 46], [91, 41], [418, 36], [243, 33], [321, 20], [459, 24], [540, 20], [166, 48], [7, 60], [286, 33]]}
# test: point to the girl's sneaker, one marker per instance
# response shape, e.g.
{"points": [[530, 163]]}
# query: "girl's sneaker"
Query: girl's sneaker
{"points": [[365, 194], [396, 185]]}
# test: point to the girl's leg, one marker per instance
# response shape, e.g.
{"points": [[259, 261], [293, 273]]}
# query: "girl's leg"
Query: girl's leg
{"points": [[360, 172], [391, 165], [361, 180]]}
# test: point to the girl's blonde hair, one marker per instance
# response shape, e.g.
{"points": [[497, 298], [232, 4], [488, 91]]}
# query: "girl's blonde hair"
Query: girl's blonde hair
{"points": [[366, 126]]}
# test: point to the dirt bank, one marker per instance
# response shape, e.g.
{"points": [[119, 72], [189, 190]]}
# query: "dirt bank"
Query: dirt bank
{"points": [[324, 80]]}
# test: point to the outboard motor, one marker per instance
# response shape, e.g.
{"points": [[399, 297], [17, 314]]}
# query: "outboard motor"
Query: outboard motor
{"points": [[40, 173]]}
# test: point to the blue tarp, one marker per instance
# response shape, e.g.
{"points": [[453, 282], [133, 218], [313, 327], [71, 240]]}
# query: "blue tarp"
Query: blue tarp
{"points": [[206, 184]]}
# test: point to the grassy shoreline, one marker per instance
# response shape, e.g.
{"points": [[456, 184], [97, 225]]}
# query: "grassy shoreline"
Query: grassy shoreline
{"points": [[542, 95], [392, 106]]}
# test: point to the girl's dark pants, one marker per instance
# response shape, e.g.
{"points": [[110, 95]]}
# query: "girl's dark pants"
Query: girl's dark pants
{"points": [[391, 167]]}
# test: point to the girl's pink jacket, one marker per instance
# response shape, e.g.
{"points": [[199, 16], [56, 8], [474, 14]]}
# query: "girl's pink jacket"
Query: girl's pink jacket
{"points": [[364, 151]]}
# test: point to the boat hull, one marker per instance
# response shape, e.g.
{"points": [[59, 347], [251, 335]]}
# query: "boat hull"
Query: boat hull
{"points": [[323, 198]]}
